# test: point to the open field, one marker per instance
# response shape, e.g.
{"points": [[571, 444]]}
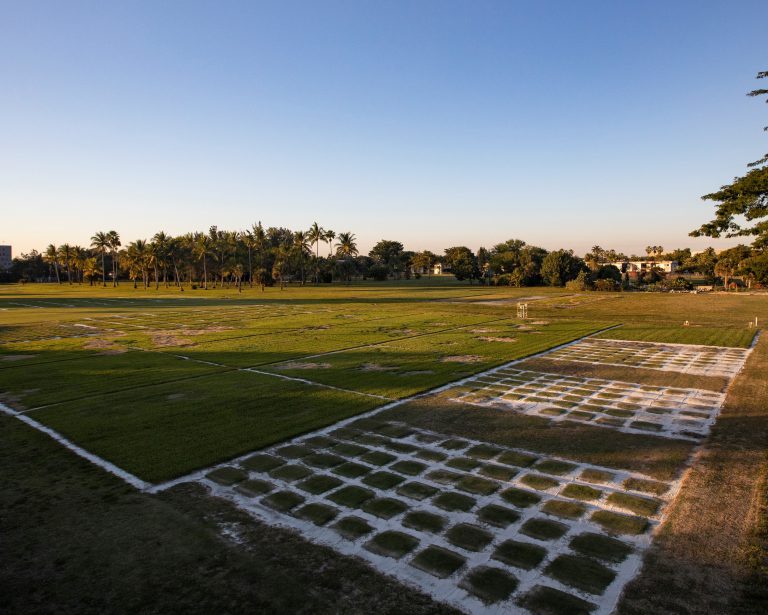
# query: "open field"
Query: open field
{"points": [[538, 465]]}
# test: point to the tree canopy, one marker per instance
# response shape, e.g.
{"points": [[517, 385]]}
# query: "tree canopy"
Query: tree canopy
{"points": [[742, 206]]}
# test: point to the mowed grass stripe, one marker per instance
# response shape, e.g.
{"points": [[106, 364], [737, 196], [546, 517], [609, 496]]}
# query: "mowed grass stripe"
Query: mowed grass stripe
{"points": [[408, 367], [42, 385], [171, 429]]}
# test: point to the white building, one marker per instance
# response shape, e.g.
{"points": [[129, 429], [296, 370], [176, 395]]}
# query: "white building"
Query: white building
{"points": [[6, 257], [641, 266]]}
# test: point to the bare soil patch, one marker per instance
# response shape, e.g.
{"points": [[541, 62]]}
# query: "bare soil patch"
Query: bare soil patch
{"points": [[106, 346], [507, 340], [304, 365], [375, 367], [463, 358], [16, 357]]}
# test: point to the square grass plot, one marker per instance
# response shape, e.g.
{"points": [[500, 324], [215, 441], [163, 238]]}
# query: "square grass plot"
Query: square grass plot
{"points": [[477, 485], [351, 469], [519, 554], [352, 528], [227, 476], [416, 491], [438, 561], [254, 487], [562, 508], [424, 521], [319, 484], [543, 599], [291, 472], [384, 508], [392, 544], [469, 537], [319, 514], [616, 523], [581, 572], [452, 502], [489, 584], [601, 547], [520, 497], [499, 516], [351, 496], [283, 501], [543, 529], [383, 480], [262, 463], [411, 468]]}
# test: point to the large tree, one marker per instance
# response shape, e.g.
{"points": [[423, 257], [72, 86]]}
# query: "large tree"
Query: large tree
{"points": [[462, 262], [561, 266], [390, 254], [742, 206]]}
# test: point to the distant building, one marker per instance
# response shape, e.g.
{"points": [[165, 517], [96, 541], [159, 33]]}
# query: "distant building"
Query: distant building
{"points": [[641, 266], [6, 258]]}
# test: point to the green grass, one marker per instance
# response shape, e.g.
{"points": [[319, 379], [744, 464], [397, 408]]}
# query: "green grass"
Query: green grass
{"points": [[254, 487], [707, 336], [261, 463], [536, 481], [318, 484], [551, 466], [383, 480], [283, 501], [350, 496], [232, 413], [477, 485], [647, 486]]}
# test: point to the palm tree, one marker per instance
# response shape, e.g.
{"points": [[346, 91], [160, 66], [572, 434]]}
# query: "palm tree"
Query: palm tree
{"points": [[302, 247], [238, 271], [51, 257], [347, 246], [249, 241], [201, 247], [100, 243], [139, 256], [80, 254], [66, 255], [260, 245], [281, 260], [315, 235], [160, 247], [114, 246], [329, 237], [91, 270]]}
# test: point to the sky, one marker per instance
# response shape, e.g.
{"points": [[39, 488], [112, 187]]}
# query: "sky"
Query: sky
{"points": [[434, 123]]}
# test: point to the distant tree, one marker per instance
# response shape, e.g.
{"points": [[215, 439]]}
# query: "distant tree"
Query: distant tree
{"points": [[51, 257], [329, 236], [729, 262], [561, 266], [517, 262], [100, 243], [114, 248], [390, 254], [608, 272], [462, 262], [580, 283], [746, 198], [315, 235], [201, 247], [424, 261], [66, 256]]}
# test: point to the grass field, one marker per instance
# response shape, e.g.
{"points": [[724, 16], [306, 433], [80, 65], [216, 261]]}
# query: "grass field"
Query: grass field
{"points": [[163, 383]]}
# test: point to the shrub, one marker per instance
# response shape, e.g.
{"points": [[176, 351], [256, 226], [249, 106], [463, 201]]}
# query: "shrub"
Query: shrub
{"points": [[606, 285]]}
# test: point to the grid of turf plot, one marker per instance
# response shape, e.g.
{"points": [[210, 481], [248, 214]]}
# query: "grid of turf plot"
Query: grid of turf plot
{"points": [[688, 359], [668, 411], [469, 522]]}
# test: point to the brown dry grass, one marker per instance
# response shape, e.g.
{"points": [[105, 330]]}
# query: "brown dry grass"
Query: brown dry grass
{"points": [[710, 556], [626, 374], [661, 458]]}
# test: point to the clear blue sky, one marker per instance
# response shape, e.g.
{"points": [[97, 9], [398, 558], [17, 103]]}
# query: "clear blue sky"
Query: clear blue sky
{"points": [[441, 123]]}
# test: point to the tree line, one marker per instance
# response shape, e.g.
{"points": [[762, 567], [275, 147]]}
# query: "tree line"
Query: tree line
{"points": [[264, 257]]}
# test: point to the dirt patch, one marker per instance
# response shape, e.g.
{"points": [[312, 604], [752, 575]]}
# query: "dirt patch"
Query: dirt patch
{"points": [[462, 358], [375, 367], [163, 338], [16, 357], [483, 330], [175, 396], [107, 347], [304, 365], [498, 339], [166, 339]]}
